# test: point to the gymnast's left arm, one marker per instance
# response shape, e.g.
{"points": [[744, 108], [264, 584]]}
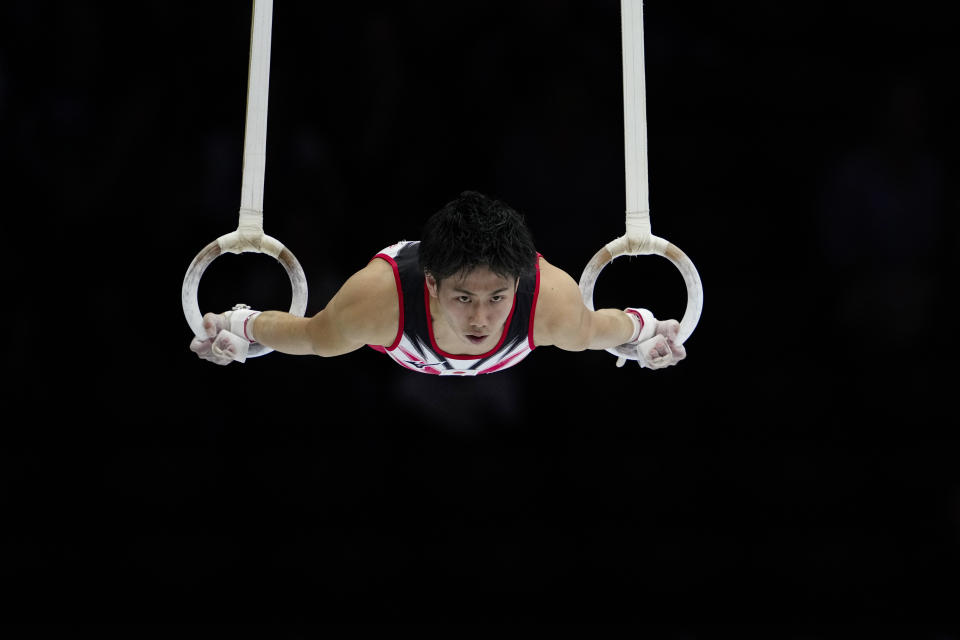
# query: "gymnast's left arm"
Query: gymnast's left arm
{"points": [[562, 320]]}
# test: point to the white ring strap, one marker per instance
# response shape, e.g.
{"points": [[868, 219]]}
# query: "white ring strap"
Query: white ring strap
{"points": [[634, 110], [255, 132]]}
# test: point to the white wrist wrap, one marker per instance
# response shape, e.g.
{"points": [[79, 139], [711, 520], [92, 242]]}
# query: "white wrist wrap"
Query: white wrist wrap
{"points": [[241, 323], [644, 323]]}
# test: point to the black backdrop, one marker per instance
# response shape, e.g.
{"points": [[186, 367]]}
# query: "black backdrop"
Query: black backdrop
{"points": [[797, 469]]}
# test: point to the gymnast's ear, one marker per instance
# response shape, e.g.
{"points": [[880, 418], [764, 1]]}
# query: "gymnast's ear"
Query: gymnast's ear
{"points": [[432, 284]]}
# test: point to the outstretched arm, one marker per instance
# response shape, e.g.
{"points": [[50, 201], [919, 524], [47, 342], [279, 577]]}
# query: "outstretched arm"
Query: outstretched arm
{"points": [[364, 311], [562, 320]]}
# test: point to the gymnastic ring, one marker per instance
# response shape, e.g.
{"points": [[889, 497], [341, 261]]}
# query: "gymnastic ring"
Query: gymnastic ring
{"points": [[191, 283], [652, 245]]}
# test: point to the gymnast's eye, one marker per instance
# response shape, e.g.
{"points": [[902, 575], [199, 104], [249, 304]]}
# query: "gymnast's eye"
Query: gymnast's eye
{"points": [[497, 298], [463, 299]]}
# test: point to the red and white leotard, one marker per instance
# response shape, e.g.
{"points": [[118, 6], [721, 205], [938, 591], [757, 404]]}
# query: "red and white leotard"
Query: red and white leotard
{"points": [[415, 347]]}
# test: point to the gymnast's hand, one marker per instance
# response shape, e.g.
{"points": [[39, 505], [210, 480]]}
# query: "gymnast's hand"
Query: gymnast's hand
{"points": [[228, 336], [657, 346], [662, 350]]}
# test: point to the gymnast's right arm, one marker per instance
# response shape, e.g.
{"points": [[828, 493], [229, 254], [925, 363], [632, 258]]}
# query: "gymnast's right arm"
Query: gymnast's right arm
{"points": [[364, 311]]}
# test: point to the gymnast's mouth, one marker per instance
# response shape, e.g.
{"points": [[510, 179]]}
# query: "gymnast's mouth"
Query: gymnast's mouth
{"points": [[475, 339]]}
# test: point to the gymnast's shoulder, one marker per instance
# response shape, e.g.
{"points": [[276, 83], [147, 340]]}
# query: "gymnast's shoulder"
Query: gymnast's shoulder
{"points": [[558, 303], [368, 303]]}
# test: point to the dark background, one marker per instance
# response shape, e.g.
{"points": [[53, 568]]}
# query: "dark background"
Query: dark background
{"points": [[798, 469]]}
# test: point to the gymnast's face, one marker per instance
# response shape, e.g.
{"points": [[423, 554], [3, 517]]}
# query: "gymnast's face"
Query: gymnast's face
{"points": [[473, 308]]}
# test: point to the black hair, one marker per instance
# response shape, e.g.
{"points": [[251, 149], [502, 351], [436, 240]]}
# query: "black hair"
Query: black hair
{"points": [[472, 231]]}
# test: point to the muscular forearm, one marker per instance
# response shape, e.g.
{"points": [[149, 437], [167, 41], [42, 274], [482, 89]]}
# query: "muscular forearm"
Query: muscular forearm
{"points": [[297, 336], [610, 328], [283, 332]]}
